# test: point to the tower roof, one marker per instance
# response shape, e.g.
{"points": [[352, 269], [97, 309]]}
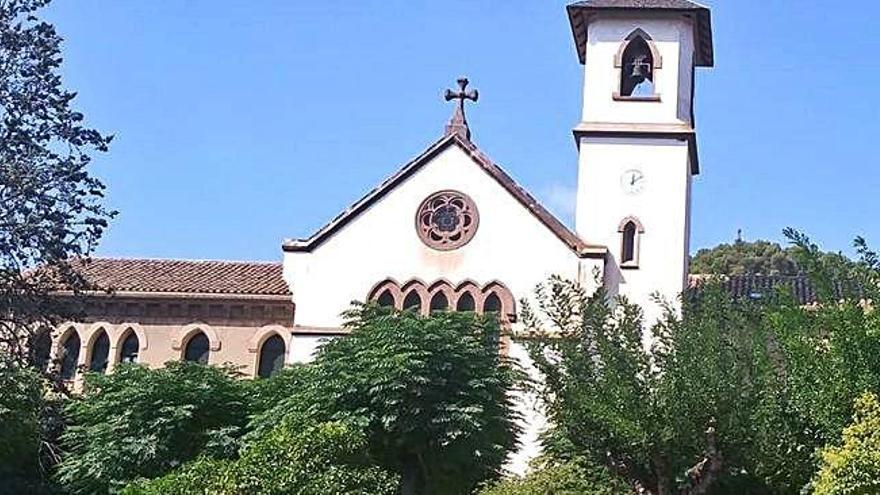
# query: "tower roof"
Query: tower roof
{"points": [[579, 14]]}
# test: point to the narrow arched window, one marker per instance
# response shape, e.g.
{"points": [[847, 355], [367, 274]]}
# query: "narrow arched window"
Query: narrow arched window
{"points": [[271, 356], [41, 349], [130, 348], [100, 353], [439, 302], [628, 251], [412, 302], [492, 304], [70, 356], [385, 300], [466, 302], [637, 69], [198, 349]]}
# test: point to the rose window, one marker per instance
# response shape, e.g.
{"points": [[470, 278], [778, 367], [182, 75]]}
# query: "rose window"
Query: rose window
{"points": [[447, 220]]}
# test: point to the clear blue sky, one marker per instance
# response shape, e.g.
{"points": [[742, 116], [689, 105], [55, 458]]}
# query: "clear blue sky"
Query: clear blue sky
{"points": [[240, 123]]}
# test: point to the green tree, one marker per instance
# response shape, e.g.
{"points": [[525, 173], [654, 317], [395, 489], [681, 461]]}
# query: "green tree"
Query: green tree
{"points": [[567, 478], [50, 207], [854, 466], [323, 459], [138, 422], [431, 394], [755, 258], [670, 419]]}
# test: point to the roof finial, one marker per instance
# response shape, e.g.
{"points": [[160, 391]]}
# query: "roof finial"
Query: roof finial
{"points": [[458, 124]]}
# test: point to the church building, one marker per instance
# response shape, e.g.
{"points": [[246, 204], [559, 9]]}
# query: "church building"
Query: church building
{"points": [[458, 232]]}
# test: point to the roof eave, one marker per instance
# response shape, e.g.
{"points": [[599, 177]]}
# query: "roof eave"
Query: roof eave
{"points": [[578, 16]]}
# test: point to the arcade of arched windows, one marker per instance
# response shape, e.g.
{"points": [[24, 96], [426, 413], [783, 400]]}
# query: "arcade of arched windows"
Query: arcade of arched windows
{"points": [[416, 295]]}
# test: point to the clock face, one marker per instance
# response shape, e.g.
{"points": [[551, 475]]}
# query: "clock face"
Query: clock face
{"points": [[632, 181]]}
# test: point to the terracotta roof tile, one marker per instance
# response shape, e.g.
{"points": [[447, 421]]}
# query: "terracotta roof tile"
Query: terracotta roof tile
{"points": [[188, 276]]}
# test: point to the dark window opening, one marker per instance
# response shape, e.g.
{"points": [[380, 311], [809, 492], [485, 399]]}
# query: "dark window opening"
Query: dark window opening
{"points": [[271, 356], [439, 302], [70, 356], [637, 69], [130, 349], [628, 251], [412, 302], [386, 300], [198, 349], [100, 353], [466, 302], [41, 349], [492, 304]]}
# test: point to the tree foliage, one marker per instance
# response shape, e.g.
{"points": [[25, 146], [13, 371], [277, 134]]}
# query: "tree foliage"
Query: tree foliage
{"points": [[568, 478], [323, 459], [734, 396], [754, 258], [50, 207], [138, 422], [854, 466], [431, 393]]}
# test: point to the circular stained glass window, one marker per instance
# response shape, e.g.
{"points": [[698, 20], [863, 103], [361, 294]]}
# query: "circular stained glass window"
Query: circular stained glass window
{"points": [[447, 220]]}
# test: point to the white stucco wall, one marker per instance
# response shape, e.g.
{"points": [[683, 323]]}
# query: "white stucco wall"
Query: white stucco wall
{"points": [[662, 208], [511, 246], [673, 37]]}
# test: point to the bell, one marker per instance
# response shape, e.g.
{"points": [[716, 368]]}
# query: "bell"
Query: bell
{"points": [[641, 69]]}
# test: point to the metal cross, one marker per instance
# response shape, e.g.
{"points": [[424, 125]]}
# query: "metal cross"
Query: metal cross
{"points": [[462, 94], [458, 123]]}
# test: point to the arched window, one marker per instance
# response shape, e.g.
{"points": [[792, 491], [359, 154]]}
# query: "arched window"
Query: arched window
{"points": [[492, 304], [630, 229], [466, 303], [271, 356], [386, 299], [130, 348], [638, 61], [412, 301], [70, 356], [41, 349], [439, 302], [197, 349], [100, 353]]}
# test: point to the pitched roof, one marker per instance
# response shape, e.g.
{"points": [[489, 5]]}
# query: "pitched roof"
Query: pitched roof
{"points": [[760, 286], [185, 276], [575, 243], [579, 13]]}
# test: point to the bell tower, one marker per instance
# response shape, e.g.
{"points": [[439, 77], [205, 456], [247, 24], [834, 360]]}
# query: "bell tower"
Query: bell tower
{"points": [[637, 140]]}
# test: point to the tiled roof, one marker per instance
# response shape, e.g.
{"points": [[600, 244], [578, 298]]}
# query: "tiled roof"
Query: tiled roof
{"points": [[760, 286], [185, 276], [580, 12]]}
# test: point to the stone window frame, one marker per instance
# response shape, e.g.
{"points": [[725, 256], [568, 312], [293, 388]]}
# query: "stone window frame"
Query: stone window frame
{"points": [[255, 345], [183, 336], [638, 230], [93, 333], [467, 236], [452, 292], [57, 357], [618, 66], [122, 332]]}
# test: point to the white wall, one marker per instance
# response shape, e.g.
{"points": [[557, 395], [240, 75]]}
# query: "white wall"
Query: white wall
{"points": [[662, 208], [511, 245], [673, 37]]}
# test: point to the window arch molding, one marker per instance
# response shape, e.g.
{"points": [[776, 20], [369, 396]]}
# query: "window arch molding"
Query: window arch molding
{"points": [[184, 334], [263, 334], [638, 33], [420, 288], [631, 230], [392, 287], [508, 304], [468, 287], [94, 333], [122, 333], [69, 331]]}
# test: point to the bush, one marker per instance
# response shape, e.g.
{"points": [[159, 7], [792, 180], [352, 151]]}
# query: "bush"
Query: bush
{"points": [[139, 422], [854, 467], [326, 459], [571, 478]]}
